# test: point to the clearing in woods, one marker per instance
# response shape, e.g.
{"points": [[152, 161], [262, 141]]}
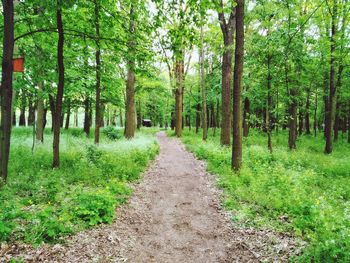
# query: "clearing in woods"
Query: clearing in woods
{"points": [[174, 215]]}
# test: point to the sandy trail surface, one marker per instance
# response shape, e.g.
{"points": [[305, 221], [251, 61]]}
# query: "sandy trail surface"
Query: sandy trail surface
{"points": [[174, 215]]}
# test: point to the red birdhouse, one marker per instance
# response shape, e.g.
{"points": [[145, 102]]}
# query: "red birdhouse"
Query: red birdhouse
{"points": [[18, 64]]}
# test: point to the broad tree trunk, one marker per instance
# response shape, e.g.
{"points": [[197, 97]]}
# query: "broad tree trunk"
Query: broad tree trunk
{"points": [[60, 87], [6, 86], [227, 28], [130, 85], [237, 88], [98, 75], [330, 114], [40, 115]]}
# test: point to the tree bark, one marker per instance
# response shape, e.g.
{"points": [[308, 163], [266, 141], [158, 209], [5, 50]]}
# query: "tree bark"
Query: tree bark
{"points": [[179, 75], [22, 114], [60, 88], [6, 87], [203, 89], [98, 75], [268, 104], [87, 119], [130, 85], [307, 113], [66, 126], [31, 112], [227, 28], [237, 88], [330, 114], [40, 114]]}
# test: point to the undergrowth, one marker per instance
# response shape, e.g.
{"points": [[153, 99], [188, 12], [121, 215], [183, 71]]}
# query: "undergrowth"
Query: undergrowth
{"points": [[40, 204], [304, 191]]}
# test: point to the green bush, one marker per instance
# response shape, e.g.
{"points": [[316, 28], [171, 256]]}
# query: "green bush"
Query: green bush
{"points": [[112, 133]]}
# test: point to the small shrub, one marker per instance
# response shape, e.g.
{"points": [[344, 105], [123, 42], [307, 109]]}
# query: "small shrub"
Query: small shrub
{"points": [[112, 133]]}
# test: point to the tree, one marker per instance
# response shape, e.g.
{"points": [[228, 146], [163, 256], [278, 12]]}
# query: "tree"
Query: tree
{"points": [[227, 28], [237, 88], [60, 88], [6, 87]]}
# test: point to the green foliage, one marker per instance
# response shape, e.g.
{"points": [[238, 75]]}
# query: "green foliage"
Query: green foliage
{"points": [[39, 204], [303, 191], [112, 133]]}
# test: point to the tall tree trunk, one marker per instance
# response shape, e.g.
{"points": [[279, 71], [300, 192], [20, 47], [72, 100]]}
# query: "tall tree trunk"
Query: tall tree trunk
{"points": [[139, 115], [203, 88], [198, 112], [98, 74], [130, 85], [268, 104], [227, 28], [237, 88], [76, 117], [301, 120], [246, 113], [22, 114], [315, 113], [66, 126], [349, 122], [60, 87], [6, 86], [307, 113], [179, 75], [14, 123], [332, 87], [87, 119], [121, 118], [40, 114], [31, 112]]}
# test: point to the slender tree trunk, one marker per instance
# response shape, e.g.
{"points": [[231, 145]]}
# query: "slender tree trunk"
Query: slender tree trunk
{"points": [[349, 122], [315, 113], [226, 93], [6, 86], [332, 87], [31, 112], [98, 74], [246, 113], [179, 71], [237, 88], [14, 123], [198, 113], [203, 88], [22, 114], [87, 119], [40, 114], [307, 113], [76, 117], [121, 118], [60, 88], [66, 126], [268, 104], [130, 86], [139, 115], [301, 120]]}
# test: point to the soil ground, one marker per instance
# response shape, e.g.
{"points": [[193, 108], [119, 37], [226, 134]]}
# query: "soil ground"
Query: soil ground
{"points": [[174, 215]]}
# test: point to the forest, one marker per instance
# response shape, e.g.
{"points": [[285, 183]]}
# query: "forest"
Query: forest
{"points": [[175, 131]]}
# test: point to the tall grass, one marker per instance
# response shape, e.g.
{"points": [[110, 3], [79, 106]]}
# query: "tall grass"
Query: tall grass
{"points": [[304, 191], [39, 204]]}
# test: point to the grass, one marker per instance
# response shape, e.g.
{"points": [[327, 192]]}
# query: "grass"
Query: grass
{"points": [[304, 191], [40, 204]]}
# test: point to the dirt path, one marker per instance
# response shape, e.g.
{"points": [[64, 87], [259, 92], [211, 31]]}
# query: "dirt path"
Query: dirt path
{"points": [[173, 216]]}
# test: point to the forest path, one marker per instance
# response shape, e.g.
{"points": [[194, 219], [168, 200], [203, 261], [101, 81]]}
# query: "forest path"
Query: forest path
{"points": [[174, 215]]}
